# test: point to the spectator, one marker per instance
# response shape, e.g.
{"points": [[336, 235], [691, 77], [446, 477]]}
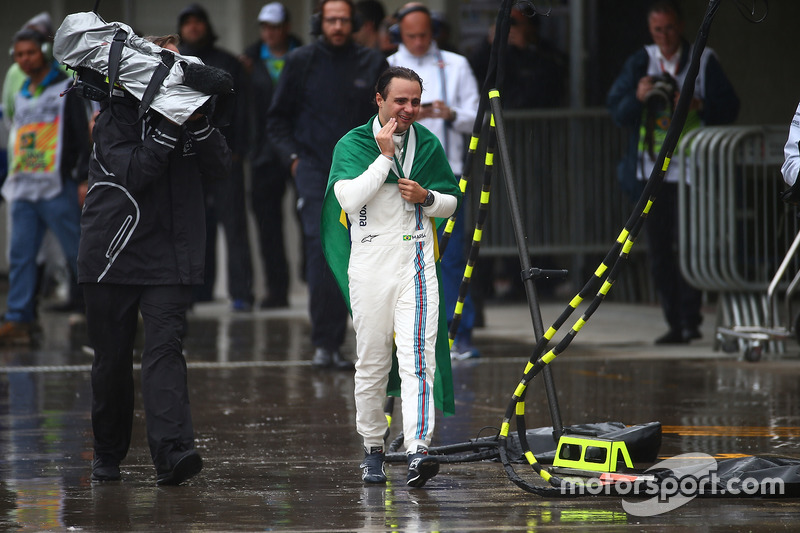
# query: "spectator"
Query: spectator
{"points": [[148, 169], [391, 177], [49, 138], [264, 62], [449, 113], [534, 71], [325, 90], [52, 265], [14, 79], [641, 99], [225, 199], [791, 163], [370, 15]]}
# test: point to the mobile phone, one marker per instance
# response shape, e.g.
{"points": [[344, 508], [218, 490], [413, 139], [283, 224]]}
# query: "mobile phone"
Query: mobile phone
{"points": [[428, 104]]}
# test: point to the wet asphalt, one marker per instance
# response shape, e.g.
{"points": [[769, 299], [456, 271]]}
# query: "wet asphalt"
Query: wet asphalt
{"points": [[281, 453]]}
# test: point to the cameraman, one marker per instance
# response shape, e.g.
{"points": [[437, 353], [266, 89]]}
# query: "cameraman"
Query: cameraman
{"points": [[141, 250], [642, 99]]}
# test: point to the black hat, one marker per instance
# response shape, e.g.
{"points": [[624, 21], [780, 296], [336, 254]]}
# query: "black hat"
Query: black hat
{"points": [[196, 10]]}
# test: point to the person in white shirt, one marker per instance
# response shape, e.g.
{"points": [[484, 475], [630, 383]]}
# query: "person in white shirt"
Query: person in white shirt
{"points": [[791, 163], [449, 112]]}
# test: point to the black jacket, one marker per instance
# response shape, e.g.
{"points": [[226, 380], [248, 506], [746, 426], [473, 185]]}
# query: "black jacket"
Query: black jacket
{"points": [[534, 76], [323, 93], [143, 221], [236, 132], [260, 91]]}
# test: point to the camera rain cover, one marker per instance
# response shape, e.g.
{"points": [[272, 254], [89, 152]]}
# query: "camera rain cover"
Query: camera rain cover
{"points": [[84, 40]]}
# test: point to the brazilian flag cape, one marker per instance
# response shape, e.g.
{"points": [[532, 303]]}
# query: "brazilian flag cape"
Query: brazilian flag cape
{"points": [[354, 152]]}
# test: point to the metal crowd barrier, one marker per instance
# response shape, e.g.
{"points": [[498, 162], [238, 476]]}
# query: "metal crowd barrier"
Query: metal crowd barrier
{"points": [[572, 205], [734, 230]]}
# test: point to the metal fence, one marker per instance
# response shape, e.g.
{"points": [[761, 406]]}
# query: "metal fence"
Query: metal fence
{"points": [[734, 229], [564, 164]]}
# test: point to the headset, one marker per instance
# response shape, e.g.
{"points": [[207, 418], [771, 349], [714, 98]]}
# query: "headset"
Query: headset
{"points": [[47, 50], [394, 29], [316, 18]]}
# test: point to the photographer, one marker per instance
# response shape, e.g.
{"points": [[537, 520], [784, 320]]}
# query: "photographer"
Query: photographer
{"points": [[642, 99], [141, 250]]}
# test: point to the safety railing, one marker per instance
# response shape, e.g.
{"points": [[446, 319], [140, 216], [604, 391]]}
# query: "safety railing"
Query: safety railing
{"points": [[734, 230], [572, 205]]}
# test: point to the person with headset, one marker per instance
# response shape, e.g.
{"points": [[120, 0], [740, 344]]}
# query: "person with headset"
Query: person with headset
{"points": [[325, 90], [15, 77], [49, 141], [642, 99], [50, 257], [449, 113]]}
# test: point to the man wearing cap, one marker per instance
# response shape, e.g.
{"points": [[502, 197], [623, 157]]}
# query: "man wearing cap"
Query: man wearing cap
{"points": [[326, 89], [264, 61], [225, 200]]}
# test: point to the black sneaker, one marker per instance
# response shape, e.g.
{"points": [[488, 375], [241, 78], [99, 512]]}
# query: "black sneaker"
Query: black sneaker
{"points": [[276, 302], [421, 467], [322, 358], [673, 336], [691, 334], [105, 470], [372, 467], [188, 465], [340, 363]]}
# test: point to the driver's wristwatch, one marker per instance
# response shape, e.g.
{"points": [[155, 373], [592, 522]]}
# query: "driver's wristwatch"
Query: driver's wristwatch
{"points": [[428, 200]]}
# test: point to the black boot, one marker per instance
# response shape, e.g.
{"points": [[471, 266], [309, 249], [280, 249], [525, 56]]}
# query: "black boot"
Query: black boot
{"points": [[340, 363]]}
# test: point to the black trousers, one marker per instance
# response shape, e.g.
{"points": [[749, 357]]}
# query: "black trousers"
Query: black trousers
{"points": [[226, 205], [680, 301], [268, 188], [326, 305], [112, 313]]}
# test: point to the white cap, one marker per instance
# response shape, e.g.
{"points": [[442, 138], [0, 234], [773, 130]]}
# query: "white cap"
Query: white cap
{"points": [[273, 13]]}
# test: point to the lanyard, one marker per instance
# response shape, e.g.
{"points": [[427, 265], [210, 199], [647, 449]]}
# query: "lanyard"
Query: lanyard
{"points": [[403, 151]]}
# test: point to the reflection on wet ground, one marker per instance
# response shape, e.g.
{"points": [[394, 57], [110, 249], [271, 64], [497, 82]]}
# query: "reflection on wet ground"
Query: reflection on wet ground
{"points": [[281, 452]]}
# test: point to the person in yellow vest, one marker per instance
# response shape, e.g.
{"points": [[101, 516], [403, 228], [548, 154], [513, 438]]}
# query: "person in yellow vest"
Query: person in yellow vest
{"points": [[642, 100]]}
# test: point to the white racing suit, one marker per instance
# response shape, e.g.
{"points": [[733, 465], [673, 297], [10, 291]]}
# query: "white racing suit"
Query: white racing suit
{"points": [[389, 234]]}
